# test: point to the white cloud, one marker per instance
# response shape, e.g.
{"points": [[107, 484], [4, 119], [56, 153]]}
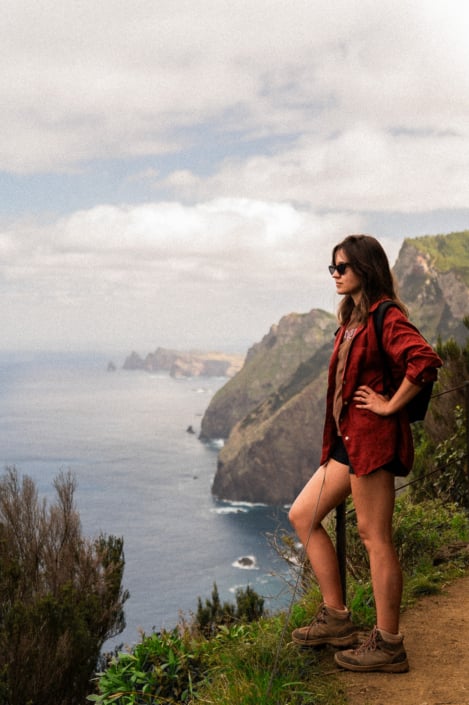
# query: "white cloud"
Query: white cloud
{"points": [[93, 80], [166, 270], [358, 170]]}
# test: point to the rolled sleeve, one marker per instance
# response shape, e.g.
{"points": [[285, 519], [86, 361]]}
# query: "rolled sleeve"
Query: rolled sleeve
{"points": [[408, 350]]}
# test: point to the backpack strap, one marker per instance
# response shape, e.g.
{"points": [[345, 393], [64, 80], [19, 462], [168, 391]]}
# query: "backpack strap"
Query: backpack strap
{"points": [[378, 321]]}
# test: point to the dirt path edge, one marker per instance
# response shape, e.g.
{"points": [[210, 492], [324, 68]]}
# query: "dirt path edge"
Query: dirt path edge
{"points": [[436, 637]]}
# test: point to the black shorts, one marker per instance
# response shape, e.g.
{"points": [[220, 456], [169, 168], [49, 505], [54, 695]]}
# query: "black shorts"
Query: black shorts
{"points": [[339, 453]]}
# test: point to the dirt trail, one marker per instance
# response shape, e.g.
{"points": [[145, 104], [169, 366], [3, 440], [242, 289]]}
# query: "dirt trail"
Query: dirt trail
{"points": [[436, 632]]}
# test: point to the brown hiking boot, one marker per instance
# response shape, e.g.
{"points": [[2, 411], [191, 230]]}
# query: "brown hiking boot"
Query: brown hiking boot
{"points": [[327, 628], [375, 654]]}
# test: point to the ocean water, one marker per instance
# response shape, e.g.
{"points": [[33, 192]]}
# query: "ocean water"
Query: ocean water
{"points": [[142, 476]]}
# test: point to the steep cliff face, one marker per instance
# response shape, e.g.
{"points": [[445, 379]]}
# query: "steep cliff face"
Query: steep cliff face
{"points": [[268, 365], [273, 409], [433, 277], [273, 451]]}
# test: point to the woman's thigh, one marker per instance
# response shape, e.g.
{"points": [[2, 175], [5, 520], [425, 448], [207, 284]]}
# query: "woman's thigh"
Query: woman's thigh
{"points": [[328, 487], [373, 498]]}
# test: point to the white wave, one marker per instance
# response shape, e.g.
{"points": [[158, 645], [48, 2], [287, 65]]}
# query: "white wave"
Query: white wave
{"points": [[229, 510], [243, 505], [227, 507]]}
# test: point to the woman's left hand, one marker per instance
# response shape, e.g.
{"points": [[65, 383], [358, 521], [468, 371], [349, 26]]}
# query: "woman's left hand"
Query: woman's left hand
{"points": [[367, 398]]}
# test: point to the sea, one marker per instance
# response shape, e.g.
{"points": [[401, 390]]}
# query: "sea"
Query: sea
{"points": [[130, 438]]}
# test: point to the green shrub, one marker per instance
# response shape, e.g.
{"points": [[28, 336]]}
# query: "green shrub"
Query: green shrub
{"points": [[420, 529], [162, 668], [60, 596], [213, 614]]}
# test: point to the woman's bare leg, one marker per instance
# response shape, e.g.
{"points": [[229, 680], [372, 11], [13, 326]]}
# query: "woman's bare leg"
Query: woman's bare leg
{"points": [[373, 497], [329, 486]]}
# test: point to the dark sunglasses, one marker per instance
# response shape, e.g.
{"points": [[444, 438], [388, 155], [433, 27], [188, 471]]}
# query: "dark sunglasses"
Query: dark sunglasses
{"points": [[339, 268]]}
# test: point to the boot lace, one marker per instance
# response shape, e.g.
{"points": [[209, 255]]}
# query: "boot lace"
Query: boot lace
{"points": [[321, 616], [370, 644]]}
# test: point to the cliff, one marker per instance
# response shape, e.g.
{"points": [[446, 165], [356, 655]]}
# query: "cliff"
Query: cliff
{"points": [[433, 277], [186, 364], [273, 451], [271, 412], [269, 364]]}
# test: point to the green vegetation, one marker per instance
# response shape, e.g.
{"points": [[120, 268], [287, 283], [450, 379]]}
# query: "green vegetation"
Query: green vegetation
{"points": [[211, 616], [60, 596], [448, 252], [441, 463], [240, 664], [162, 668]]}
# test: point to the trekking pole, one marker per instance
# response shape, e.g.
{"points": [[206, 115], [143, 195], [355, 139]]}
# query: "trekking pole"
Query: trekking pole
{"points": [[466, 396], [341, 547]]}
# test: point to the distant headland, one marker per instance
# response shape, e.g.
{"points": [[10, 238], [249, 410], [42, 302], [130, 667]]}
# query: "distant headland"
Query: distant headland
{"points": [[186, 364]]}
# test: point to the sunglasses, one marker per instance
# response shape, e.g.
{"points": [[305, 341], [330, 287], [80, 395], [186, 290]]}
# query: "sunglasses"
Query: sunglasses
{"points": [[339, 268]]}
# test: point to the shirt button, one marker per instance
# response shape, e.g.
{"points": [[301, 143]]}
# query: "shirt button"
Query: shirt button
{"points": [[347, 438]]}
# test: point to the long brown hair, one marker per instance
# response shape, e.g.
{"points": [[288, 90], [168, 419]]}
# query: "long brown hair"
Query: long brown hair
{"points": [[369, 261]]}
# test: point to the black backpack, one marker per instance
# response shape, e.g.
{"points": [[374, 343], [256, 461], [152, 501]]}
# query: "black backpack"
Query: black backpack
{"points": [[417, 407]]}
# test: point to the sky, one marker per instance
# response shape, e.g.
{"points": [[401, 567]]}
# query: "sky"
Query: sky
{"points": [[175, 173]]}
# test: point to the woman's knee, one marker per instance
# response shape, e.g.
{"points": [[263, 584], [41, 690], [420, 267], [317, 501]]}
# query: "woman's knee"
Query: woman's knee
{"points": [[374, 538], [300, 518], [295, 515]]}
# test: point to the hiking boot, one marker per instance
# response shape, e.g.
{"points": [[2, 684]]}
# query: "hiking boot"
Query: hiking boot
{"points": [[375, 654], [328, 627]]}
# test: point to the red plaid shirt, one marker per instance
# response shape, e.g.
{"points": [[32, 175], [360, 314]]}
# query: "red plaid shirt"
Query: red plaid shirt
{"points": [[371, 440]]}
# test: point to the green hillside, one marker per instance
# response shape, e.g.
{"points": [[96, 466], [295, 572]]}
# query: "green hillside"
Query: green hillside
{"points": [[448, 252]]}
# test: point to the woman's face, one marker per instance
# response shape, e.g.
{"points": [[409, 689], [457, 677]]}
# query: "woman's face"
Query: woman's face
{"points": [[349, 282]]}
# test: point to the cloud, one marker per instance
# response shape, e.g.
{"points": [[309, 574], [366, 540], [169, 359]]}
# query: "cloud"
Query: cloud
{"points": [[93, 80], [165, 270], [358, 170], [246, 237]]}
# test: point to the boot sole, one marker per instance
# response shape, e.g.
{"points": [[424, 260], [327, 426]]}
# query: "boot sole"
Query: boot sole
{"points": [[399, 667], [338, 641]]}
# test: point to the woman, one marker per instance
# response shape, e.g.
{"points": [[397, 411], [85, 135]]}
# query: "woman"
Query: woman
{"points": [[367, 441]]}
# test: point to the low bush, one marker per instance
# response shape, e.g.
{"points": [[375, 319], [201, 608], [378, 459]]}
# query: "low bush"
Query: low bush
{"points": [[163, 668], [60, 595], [213, 614]]}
